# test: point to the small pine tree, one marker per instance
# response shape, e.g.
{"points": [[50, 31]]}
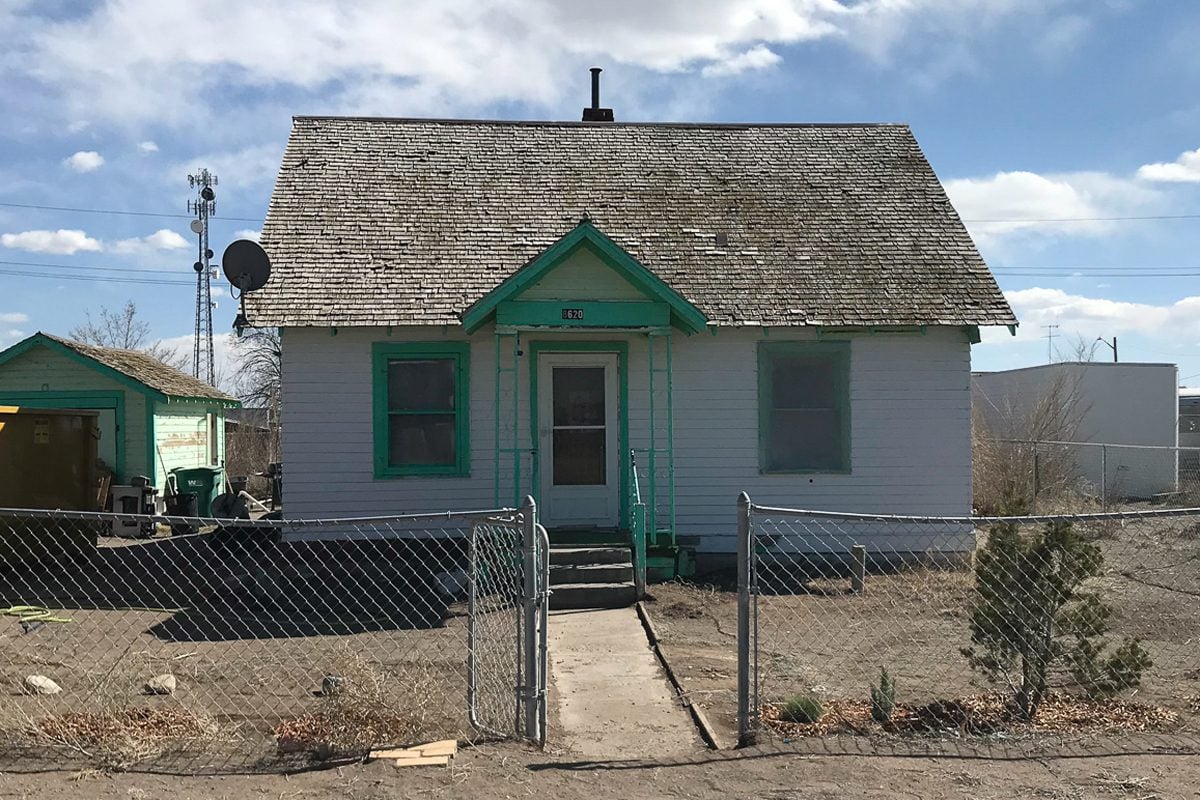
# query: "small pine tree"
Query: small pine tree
{"points": [[1030, 617], [883, 697], [802, 708]]}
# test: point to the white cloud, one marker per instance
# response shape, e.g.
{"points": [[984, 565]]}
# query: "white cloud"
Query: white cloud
{"points": [[13, 317], [128, 61], [217, 291], [1089, 317], [10, 337], [248, 233], [60, 242], [1076, 203], [160, 240], [147, 147], [224, 359], [1185, 169], [252, 166], [756, 58], [85, 161]]}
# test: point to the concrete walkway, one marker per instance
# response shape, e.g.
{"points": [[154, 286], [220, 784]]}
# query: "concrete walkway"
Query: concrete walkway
{"points": [[614, 701]]}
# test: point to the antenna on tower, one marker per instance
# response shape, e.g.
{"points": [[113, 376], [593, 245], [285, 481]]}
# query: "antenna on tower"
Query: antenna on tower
{"points": [[204, 205]]}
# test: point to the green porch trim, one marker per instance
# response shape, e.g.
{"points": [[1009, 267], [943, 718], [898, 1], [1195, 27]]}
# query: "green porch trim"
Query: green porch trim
{"points": [[203, 401], [684, 315], [838, 350], [583, 313], [973, 335], [381, 354], [40, 340], [87, 400], [536, 348]]}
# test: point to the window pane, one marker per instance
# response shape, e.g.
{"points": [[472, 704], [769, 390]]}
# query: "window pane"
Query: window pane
{"points": [[579, 458], [421, 439], [421, 385], [804, 381], [578, 395], [805, 439]]}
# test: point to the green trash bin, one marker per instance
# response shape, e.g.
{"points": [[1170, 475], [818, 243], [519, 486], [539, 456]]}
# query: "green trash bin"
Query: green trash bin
{"points": [[204, 482]]}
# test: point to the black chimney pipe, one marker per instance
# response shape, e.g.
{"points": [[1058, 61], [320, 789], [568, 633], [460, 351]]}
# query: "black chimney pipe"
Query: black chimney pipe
{"points": [[596, 86], [595, 113]]}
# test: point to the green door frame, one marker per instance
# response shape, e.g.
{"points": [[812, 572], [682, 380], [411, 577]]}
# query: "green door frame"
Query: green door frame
{"points": [[98, 400], [621, 348]]}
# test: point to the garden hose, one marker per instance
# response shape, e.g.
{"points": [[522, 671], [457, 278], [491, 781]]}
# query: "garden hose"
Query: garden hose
{"points": [[32, 614]]}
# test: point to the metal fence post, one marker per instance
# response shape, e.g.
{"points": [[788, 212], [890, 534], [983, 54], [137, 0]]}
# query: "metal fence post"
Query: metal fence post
{"points": [[1104, 476], [531, 693], [746, 727]]}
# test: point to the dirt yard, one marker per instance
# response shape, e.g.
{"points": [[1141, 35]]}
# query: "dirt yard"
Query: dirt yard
{"points": [[491, 773], [820, 639]]}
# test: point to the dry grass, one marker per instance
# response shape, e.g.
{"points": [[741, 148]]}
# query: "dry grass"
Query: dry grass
{"points": [[365, 711]]}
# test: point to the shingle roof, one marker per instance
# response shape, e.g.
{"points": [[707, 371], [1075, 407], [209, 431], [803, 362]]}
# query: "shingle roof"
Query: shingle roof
{"points": [[408, 222], [146, 370]]}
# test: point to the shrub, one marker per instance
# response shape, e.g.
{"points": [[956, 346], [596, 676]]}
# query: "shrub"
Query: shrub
{"points": [[883, 697], [803, 709], [1031, 617]]}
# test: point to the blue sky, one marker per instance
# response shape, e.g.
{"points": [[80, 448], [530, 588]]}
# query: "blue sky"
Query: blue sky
{"points": [[1077, 122]]}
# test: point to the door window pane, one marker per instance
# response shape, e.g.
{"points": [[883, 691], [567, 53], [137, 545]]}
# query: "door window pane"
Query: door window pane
{"points": [[579, 457], [421, 439], [578, 395], [421, 385]]}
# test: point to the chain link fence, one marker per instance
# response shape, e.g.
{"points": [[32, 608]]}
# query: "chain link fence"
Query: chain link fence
{"points": [[1053, 476], [1039, 632], [199, 645]]}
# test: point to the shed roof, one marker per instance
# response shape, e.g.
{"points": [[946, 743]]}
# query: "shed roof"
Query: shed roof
{"points": [[133, 364], [409, 222]]}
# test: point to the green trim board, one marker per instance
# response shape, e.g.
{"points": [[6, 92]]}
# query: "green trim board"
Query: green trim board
{"points": [[85, 400], [682, 313], [384, 352], [583, 313], [152, 447], [38, 340], [536, 348], [839, 352]]}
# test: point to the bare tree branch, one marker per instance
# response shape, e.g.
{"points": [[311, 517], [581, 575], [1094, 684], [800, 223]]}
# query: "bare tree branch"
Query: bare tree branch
{"points": [[125, 330]]}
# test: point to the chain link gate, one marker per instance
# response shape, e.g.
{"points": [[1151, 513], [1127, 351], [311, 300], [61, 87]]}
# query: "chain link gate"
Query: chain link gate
{"points": [[507, 626]]}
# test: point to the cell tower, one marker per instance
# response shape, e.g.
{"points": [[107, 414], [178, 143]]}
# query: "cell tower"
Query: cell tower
{"points": [[204, 206]]}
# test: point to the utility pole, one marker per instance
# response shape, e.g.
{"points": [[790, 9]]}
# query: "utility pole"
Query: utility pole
{"points": [[1049, 337], [204, 206], [1112, 345]]}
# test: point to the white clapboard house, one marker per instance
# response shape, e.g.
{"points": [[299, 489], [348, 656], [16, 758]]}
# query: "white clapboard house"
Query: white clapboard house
{"points": [[474, 311]]}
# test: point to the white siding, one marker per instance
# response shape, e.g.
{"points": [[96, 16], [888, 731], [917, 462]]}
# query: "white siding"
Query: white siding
{"points": [[910, 428]]}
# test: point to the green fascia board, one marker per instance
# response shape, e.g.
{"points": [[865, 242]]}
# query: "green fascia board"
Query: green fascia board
{"points": [[204, 401], [840, 349], [973, 335], [686, 316], [38, 340], [621, 348], [75, 398], [381, 353], [583, 314]]}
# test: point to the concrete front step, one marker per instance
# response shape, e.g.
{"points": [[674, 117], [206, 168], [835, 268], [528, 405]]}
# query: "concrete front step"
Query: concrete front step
{"points": [[592, 595], [588, 556], [591, 573]]}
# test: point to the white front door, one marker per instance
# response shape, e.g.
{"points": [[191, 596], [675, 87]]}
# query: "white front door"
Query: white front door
{"points": [[578, 428]]}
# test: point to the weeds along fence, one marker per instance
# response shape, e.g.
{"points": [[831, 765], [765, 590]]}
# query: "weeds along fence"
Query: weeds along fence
{"points": [[199, 645], [1049, 474], [937, 633]]}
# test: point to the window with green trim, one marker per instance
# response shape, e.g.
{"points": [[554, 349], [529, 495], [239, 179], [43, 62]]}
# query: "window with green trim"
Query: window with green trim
{"points": [[421, 408], [804, 406]]}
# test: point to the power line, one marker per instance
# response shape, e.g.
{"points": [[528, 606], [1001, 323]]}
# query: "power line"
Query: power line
{"points": [[118, 213], [97, 278], [90, 267]]}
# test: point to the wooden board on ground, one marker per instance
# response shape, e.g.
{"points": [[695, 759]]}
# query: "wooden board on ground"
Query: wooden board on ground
{"points": [[431, 753]]}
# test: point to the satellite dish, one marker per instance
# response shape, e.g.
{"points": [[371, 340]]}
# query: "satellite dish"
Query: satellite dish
{"points": [[246, 265], [197, 226]]}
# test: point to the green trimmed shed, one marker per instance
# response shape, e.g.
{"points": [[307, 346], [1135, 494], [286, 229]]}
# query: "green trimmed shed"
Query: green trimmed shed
{"points": [[152, 417]]}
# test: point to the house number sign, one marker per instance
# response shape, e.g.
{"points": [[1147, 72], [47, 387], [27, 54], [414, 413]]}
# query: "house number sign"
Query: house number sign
{"points": [[572, 313]]}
